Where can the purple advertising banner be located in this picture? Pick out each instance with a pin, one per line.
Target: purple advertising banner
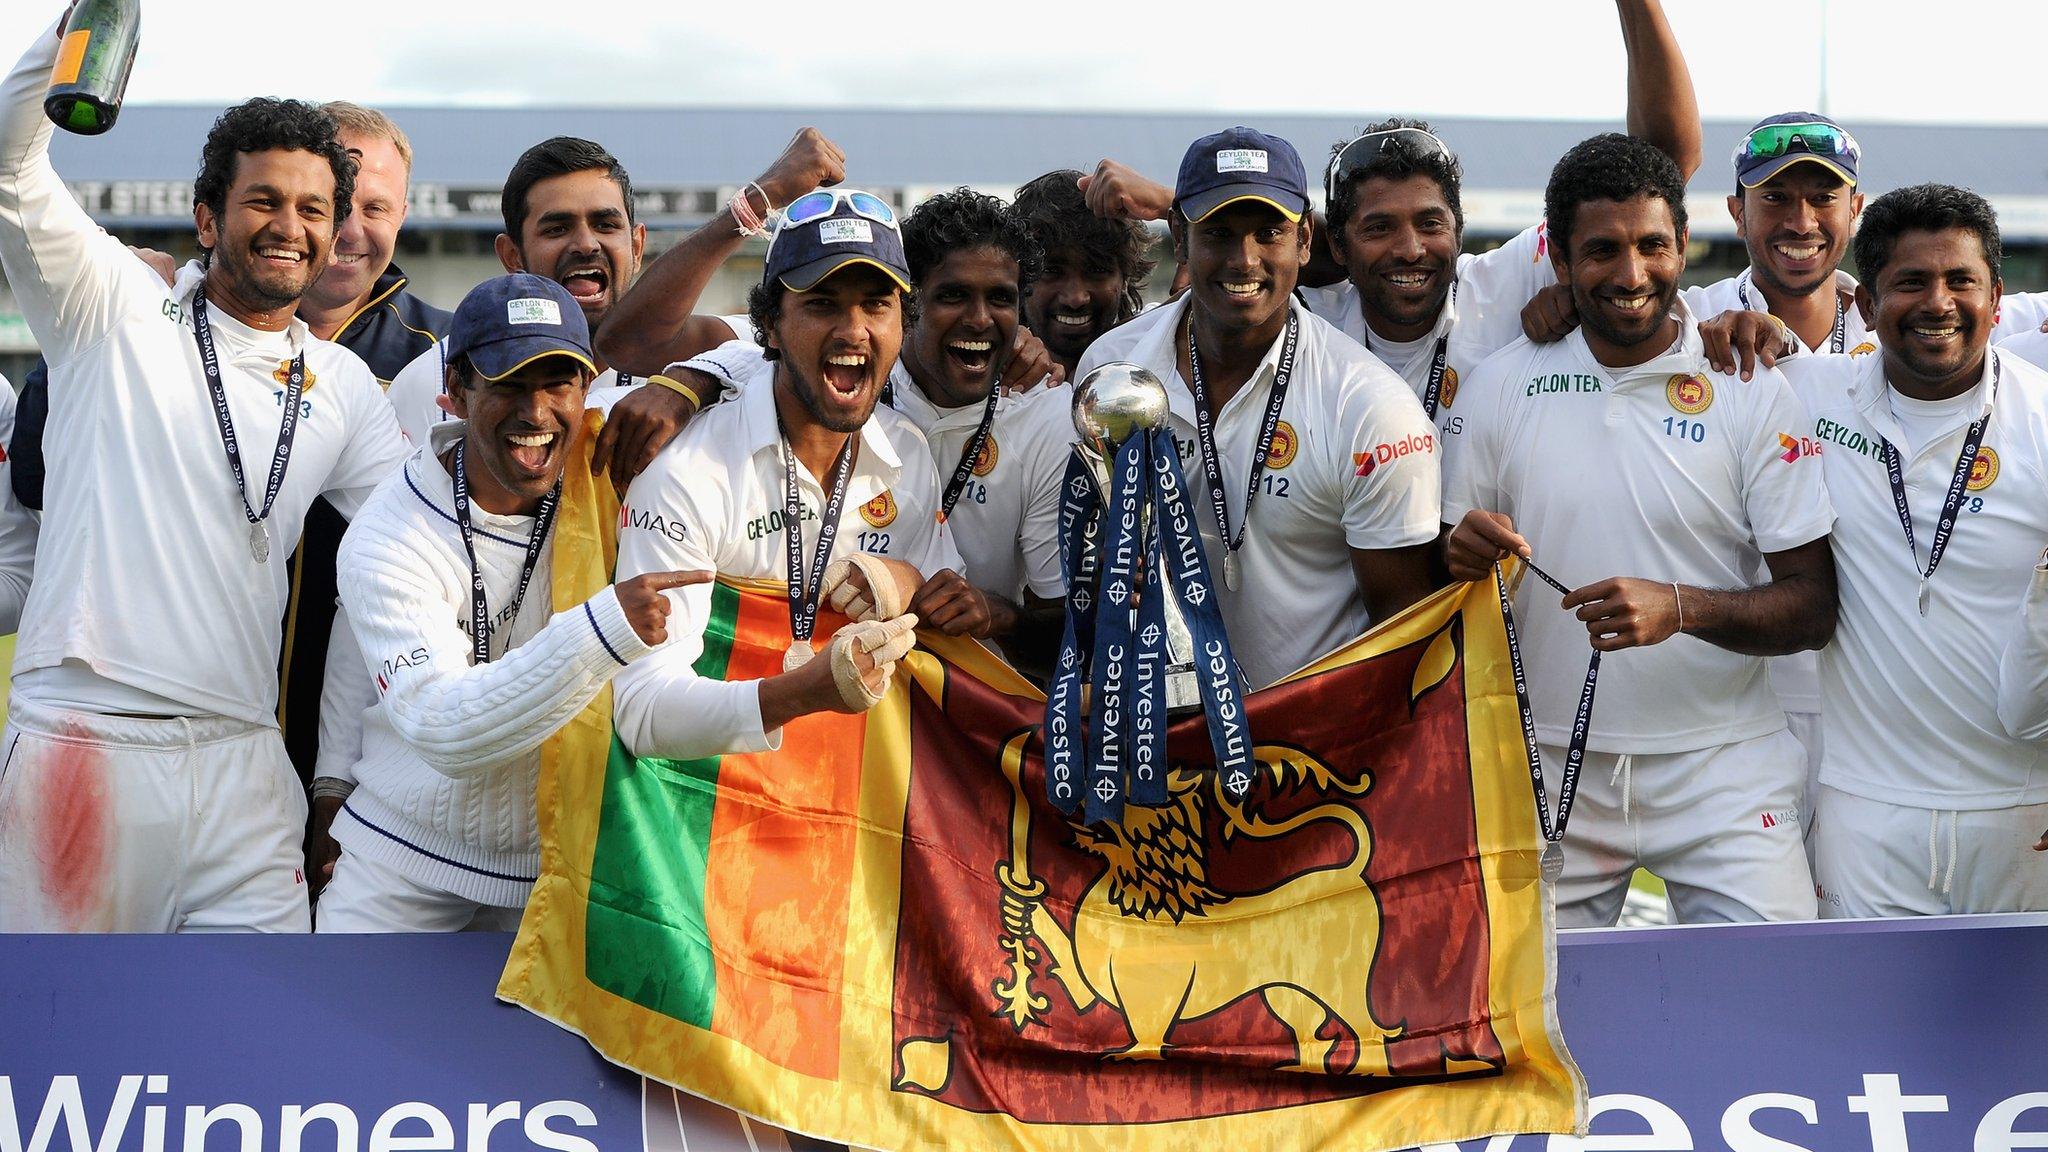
(1901, 1036)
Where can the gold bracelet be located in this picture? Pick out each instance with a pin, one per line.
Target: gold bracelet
(679, 388)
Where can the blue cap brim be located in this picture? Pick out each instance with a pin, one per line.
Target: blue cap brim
(805, 277)
(1206, 204)
(501, 358)
(1776, 164)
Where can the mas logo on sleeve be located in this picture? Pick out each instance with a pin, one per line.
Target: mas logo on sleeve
(1984, 470)
(1689, 393)
(881, 511)
(1286, 445)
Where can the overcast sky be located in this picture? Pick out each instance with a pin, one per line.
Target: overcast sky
(1890, 59)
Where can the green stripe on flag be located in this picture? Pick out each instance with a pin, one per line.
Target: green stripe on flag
(645, 937)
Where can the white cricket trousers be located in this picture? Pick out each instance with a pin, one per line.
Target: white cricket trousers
(1721, 827)
(116, 824)
(1874, 858)
(368, 895)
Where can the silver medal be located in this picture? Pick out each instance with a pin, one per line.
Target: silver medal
(259, 542)
(1923, 597)
(1553, 862)
(1230, 569)
(798, 654)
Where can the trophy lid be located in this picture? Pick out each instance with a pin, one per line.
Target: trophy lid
(1115, 401)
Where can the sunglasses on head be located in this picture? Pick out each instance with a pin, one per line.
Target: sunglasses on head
(1774, 140)
(1365, 149)
(825, 201)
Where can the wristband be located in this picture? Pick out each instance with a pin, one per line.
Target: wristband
(1680, 602)
(679, 388)
(744, 218)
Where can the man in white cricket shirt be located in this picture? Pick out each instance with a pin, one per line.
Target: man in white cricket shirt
(448, 577)
(190, 427)
(1616, 451)
(1395, 222)
(791, 482)
(1313, 466)
(1934, 776)
(1000, 455)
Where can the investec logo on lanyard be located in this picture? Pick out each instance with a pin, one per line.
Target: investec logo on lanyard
(1125, 648)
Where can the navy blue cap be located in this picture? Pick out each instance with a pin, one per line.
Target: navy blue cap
(1240, 164)
(804, 252)
(1829, 144)
(508, 322)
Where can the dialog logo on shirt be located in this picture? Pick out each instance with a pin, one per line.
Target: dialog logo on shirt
(1792, 448)
(1690, 394)
(1984, 470)
(985, 460)
(881, 511)
(1366, 462)
(1448, 390)
(1286, 445)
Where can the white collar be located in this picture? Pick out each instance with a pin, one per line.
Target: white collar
(764, 431)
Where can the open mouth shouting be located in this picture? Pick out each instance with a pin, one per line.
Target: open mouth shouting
(971, 358)
(589, 281)
(532, 453)
(846, 377)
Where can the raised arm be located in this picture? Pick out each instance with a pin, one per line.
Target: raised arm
(654, 324)
(1661, 106)
(72, 280)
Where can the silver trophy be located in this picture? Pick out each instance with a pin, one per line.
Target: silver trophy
(1111, 404)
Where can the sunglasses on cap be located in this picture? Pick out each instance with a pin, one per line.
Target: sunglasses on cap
(1365, 149)
(825, 201)
(1774, 140)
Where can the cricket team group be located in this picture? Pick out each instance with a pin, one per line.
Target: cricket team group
(1801, 515)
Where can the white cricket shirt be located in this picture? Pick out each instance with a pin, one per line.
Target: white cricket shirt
(145, 572)
(1006, 522)
(1664, 471)
(1481, 316)
(1910, 702)
(451, 750)
(714, 499)
(18, 526)
(1353, 465)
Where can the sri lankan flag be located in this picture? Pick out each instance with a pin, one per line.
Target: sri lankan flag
(883, 934)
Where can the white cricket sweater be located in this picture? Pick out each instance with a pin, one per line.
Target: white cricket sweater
(451, 751)
(144, 568)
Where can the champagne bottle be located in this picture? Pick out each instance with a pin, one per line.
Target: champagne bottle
(92, 68)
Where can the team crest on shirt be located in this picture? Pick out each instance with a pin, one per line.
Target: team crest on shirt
(985, 460)
(1286, 445)
(1448, 390)
(1983, 470)
(1690, 393)
(1863, 349)
(283, 376)
(881, 511)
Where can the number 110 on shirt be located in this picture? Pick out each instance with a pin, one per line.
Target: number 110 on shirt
(1685, 429)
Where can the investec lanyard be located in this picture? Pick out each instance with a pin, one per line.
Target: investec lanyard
(805, 587)
(479, 606)
(1212, 467)
(1837, 340)
(295, 387)
(1951, 504)
(1432, 392)
(964, 470)
(1575, 751)
(1123, 639)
